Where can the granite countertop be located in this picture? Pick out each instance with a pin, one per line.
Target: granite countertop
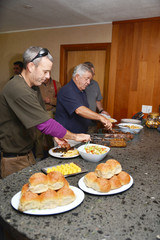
(131, 215)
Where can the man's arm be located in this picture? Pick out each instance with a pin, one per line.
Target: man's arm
(53, 128)
(100, 108)
(87, 113)
(78, 137)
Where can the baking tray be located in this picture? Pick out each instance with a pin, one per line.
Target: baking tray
(83, 170)
(106, 141)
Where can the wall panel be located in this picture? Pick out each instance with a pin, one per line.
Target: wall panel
(134, 78)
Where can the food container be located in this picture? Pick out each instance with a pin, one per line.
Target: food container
(130, 127)
(92, 157)
(153, 120)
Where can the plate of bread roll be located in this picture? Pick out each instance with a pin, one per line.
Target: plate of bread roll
(107, 179)
(46, 195)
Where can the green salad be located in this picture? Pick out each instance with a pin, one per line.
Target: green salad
(95, 149)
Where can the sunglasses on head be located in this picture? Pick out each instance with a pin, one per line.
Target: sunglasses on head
(42, 53)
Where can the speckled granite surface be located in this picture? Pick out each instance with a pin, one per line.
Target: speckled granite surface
(131, 215)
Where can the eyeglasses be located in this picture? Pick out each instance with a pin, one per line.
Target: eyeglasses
(42, 53)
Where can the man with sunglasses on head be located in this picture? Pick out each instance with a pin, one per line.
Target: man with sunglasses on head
(22, 110)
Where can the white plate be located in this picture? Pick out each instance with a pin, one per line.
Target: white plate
(82, 185)
(59, 155)
(125, 127)
(79, 199)
(109, 117)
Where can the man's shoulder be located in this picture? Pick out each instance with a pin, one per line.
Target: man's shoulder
(67, 87)
(94, 82)
(17, 86)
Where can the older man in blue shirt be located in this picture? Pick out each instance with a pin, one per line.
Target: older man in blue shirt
(72, 107)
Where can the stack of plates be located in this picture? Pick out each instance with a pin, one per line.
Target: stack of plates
(130, 120)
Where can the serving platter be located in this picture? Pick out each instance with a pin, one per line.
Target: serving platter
(59, 154)
(109, 118)
(83, 170)
(86, 189)
(60, 209)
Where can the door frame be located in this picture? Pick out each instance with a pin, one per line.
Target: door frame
(64, 49)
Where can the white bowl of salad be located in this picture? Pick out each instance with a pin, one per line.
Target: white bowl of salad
(93, 152)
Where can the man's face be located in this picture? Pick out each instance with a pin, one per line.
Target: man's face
(16, 69)
(41, 72)
(83, 81)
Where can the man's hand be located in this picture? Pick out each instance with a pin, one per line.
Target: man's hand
(60, 141)
(80, 137)
(83, 137)
(107, 124)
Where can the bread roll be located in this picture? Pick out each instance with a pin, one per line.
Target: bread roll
(28, 201)
(114, 182)
(108, 169)
(98, 184)
(38, 183)
(102, 185)
(25, 188)
(48, 199)
(66, 183)
(124, 178)
(56, 180)
(65, 196)
(116, 166)
(104, 170)
(89, 179)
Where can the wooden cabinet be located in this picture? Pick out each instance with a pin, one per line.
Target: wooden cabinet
(134, 78)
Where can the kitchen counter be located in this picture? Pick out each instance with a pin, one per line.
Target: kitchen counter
(131, 215)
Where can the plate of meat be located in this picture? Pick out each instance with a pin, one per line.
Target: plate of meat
(61, 152)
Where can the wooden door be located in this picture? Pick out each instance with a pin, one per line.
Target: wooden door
(98, 54)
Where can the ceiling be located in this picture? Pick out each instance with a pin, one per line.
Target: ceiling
(22, 15)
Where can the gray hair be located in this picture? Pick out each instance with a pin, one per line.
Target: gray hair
(30, 53)
(89, 64)
(81, 69)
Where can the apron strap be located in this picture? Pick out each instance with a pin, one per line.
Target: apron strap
(55, 87)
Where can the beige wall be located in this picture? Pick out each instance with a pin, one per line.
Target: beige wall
(12, 45)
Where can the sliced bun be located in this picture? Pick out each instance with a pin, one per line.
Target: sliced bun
(56, 180)
(38, 183)
(48, 199)
(124, 177)
(28, 201)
